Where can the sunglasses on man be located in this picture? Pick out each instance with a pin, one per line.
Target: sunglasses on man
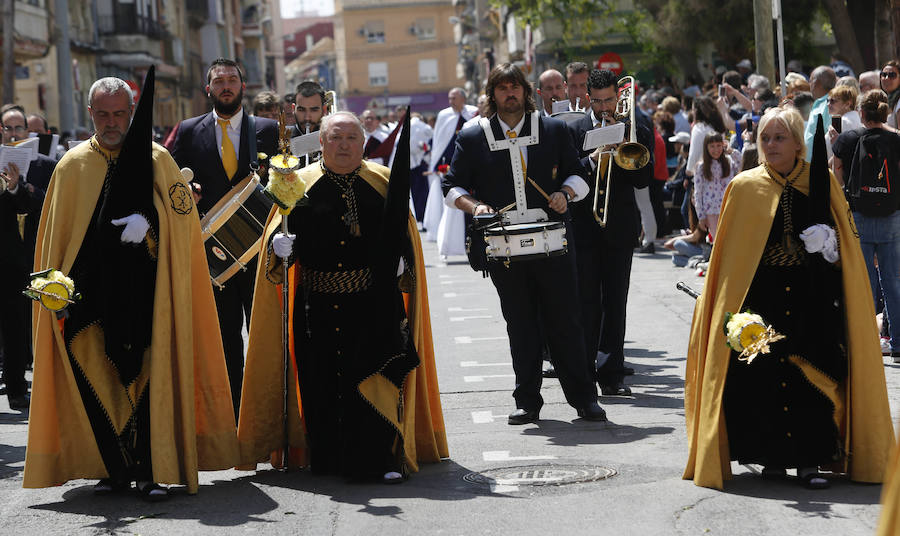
(889, 74)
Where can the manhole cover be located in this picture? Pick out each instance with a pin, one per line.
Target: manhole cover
(540, 475)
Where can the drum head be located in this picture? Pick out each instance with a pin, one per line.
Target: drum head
(568, 117)
(523, 228)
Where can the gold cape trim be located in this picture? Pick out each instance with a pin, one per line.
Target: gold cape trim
(751, 200)
(260, 431)
(192, 420)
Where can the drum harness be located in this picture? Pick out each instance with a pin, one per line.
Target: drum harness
(522, 213)
(254, 168)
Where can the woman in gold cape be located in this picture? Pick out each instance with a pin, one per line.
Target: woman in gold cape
(415, 411)
(191, 422)
(861, 413)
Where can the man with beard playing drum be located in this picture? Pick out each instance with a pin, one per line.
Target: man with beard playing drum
(487, 173)
(216, 146)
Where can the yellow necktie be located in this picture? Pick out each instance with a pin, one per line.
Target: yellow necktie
(512, 134)
(229, 158)
(21, 218)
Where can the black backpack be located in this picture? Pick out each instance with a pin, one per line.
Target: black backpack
(874, 186)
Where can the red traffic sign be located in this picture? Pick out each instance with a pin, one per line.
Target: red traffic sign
(611, 62)
(135, 89)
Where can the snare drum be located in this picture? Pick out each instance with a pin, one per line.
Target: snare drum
(232, 230)
(526, 241)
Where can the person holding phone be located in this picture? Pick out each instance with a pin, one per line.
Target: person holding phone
(844, 117)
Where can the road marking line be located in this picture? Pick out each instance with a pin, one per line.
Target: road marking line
(455, 281)
(485, 417)
(471, 379)
(458, 294)
(503, 456)
(470, 340)
(470, 317)
(465, 309)
(477, 364)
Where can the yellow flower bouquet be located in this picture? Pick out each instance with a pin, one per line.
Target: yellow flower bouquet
(285, 186)
(748, 334)
(52, 289)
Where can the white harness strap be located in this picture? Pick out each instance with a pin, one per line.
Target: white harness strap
(522, 214)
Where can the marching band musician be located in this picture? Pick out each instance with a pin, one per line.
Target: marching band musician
(480, 181)
(309, 107)
(551, 88)
(603, 254)
(129, 382)
(576, 85)
(216, 146)
(364, 364)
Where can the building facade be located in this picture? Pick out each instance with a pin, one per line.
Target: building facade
(396, 52)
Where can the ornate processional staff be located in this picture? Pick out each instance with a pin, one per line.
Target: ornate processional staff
(285, 188)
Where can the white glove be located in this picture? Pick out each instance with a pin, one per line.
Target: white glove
(830, 250)
(400, 267)
(815, 236)
(821, 238)
(283, 244)
(136, 227)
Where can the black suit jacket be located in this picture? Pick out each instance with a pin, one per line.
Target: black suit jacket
(195, 147)
(15, 263)
(487, 175)
(39, 173)
(623, 222)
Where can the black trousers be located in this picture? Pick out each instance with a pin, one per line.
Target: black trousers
(547, 285)
(233, 305)
(12, 328)
(659, 210)
(604, 274)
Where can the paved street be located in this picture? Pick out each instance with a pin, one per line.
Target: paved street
(633, 463)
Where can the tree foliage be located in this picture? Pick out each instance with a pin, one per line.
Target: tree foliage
(669, 33)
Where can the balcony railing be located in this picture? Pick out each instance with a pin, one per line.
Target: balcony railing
(111, 25)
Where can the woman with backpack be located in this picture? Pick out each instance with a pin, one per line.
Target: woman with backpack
(866, 161)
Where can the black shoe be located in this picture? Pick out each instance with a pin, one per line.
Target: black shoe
(628, 371)
(524, 416)
(649, 248)
(19, 402)
(615, 389)
(549, 372)
(107, 486)
(151, 491)
(593, 412)
(813, 479)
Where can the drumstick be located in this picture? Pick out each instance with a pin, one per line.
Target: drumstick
(506, 208)
(539, 189)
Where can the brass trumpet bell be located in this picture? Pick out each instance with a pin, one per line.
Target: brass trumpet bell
(632, 156)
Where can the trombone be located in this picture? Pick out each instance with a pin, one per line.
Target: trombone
(330, 102)
(630, 155)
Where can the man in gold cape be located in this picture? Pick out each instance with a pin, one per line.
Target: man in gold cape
(862, 413)
(182, 374)
(408, 401)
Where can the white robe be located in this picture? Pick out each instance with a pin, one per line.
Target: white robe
(451, 238)
(444, 128)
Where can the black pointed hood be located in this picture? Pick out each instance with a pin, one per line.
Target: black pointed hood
(131, 182)
(819, 178)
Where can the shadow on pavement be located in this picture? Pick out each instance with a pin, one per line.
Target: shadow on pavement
(809, 502)
(223, 504)
(566, 434)
(10, 455)
(436, 482)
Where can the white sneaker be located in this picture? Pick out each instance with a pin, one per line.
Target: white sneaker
(885, 346)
